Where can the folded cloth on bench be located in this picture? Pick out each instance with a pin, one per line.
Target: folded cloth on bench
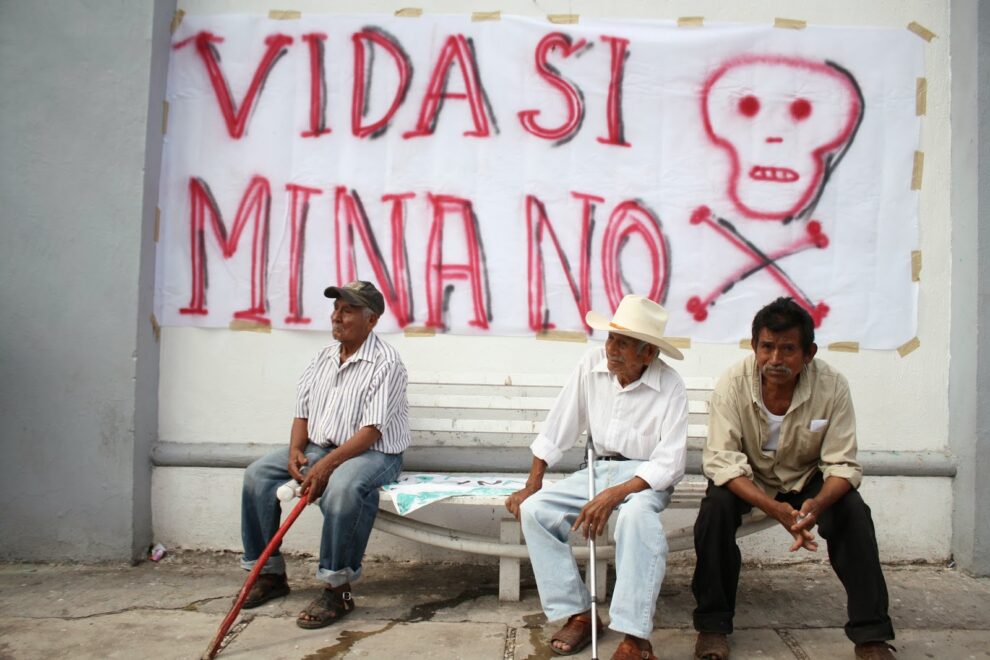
(414, 491)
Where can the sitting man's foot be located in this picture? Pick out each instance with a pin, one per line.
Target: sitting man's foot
(634, 648)
(711, 646)
(875, 651)
(268, 587)
(575, 635)
(332, 605)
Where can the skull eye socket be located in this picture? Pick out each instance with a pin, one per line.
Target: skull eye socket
(749, 105)
(800, 109)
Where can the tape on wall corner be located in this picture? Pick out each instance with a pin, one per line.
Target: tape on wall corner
(284, 14)
(156, 329)
(918, 172)
(479, 16)
(909, 346)
(844, 346)
(420, 331)
(679, 342)
(746, 344)
(691, 21)
(789, 23)
(244, 325)
(409, 12)
(563, 19)
(921, 97)
(916, 265)
(921, 31)
(176, 20)
(563, 335)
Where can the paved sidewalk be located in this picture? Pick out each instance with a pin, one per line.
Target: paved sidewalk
(412, 610)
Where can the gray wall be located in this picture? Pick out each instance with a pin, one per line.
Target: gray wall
(78, 363)
(969, 385)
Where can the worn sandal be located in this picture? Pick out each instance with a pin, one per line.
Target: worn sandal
(576, 633)
(268, 587)
(329, 607)
(711, 646)
(628, 650)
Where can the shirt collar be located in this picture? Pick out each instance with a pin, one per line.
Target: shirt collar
(801, 393)
(366, 352)
(650, 378)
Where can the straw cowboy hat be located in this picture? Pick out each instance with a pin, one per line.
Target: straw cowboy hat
(639, 318)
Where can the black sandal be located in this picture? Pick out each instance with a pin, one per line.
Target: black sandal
(329, 607)
(268, 587)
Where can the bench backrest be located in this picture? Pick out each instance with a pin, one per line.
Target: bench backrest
(491, 420)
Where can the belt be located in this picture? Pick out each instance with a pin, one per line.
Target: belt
(613, 457)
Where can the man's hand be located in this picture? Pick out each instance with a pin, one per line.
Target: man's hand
(799, 528)
(297, 460)
(514, 501)
(593, 518)
(317, 478)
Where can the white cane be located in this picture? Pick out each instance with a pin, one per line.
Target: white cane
(592, 587)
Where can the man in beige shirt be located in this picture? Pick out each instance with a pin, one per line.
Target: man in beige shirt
(782, 438)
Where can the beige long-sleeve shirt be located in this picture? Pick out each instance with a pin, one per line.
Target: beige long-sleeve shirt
(818, 431)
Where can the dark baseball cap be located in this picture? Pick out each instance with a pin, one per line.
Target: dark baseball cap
(360, 293)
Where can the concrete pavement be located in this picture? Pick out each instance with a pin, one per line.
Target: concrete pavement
(413, 610)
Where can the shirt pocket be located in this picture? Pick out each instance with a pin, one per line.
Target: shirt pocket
(807, 446)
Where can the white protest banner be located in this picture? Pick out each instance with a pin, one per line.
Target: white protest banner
(503, 177)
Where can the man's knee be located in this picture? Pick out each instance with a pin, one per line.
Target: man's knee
(340, 498)
(849, 513)
(719, 501)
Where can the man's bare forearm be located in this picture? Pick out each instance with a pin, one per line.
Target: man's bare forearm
(299, 435)
(536, 472)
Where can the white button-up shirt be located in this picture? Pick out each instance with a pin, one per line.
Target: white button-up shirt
(647, 420)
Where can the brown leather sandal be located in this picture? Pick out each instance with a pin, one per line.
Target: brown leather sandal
(268, 587)
(629, 650)
(576, 633)
(711, 646)
(329, 607)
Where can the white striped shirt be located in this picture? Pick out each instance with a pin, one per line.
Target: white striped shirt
(368, 390)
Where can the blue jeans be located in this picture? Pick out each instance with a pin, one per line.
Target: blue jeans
(349, 505)
(640, 548)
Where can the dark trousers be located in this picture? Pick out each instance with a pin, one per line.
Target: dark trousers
(846, 526)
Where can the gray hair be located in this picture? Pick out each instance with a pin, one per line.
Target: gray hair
(641, 346)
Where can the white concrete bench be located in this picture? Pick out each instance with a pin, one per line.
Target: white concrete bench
(484, 424)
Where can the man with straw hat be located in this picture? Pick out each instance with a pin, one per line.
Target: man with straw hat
(635, 408)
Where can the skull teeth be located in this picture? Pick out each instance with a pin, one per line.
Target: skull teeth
(776, 174)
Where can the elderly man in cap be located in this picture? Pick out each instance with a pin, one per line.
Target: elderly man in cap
(351, 426)
(635, 408)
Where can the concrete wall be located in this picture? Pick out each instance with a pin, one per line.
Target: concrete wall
(217, 385)
(78, 367)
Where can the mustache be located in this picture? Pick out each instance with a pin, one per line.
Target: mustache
(781, 370)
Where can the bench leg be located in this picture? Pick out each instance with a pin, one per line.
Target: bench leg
(510, 531)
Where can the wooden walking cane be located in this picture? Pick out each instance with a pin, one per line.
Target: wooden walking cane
(592, 587)
(273, 545)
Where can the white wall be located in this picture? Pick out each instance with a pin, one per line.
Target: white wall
(218, 385)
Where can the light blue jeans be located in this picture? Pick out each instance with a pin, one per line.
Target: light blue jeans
(349, 505)
(640, 548)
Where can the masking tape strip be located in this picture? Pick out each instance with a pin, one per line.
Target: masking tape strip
(921, 31)
(158, 222)
(909, 346)
(176, 20)
(563, 19)
(409, 12)
(155, 327)
(563, 335)
(691, 21)
(916, 265)
(921, 97)
(284, 14)
(746, 344)
(789, 23)
(844, 346)
(420, 331)
(919, 170)
(486, 16)
(244, 325)
(679, 342)
(164, 117)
